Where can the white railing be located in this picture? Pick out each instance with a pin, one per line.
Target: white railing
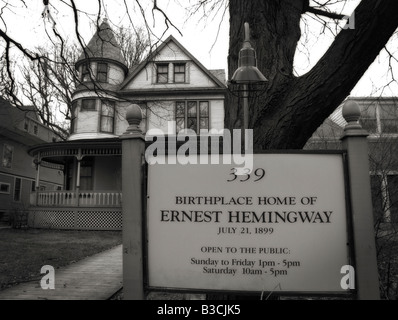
(73, 198)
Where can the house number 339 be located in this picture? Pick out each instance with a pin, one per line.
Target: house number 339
(258, 175)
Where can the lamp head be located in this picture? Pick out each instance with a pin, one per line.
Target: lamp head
(247, 72)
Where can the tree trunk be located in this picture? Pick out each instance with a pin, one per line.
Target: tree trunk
(291, 108)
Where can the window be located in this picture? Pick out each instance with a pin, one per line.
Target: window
(192, 115)
(33, 186)
(388, 118)
(102, 72)
(17, 189)
(380, 117)
(35, 129)
(107, 116)
(85, 72)
(4, 187)
(162, 73)
(8, 152)
(86, 174)
(73, 117)
(368, 118)
(88, 105)
(392, 186)
(179, 72)
(26, 125)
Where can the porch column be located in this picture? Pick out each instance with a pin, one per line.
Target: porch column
(37, 181)
(77, 189)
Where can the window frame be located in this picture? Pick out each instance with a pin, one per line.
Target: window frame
(102, 116)
(198, 115)
(8, 191)
(158, 73)
(102, 72)
(11, 150)
(83, 109)
(17, 196)
(184, 65)
(85, 72)
(73, 118)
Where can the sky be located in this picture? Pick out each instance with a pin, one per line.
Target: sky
(206, 40)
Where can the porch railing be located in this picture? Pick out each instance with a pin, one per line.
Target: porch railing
(73, 198)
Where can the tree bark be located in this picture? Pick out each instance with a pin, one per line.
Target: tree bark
(291, 108)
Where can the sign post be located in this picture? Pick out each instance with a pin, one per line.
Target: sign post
(355, 142)
(133, 148)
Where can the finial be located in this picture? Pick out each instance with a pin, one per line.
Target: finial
(134, 118)
(351, 114)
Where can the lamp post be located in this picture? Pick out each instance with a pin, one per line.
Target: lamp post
(247, 73)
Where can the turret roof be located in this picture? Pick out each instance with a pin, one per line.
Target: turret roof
(103, 45)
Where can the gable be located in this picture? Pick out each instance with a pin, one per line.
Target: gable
(169, 55)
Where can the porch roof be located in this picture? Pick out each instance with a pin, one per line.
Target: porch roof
(59, 152)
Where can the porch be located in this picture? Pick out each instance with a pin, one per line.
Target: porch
(91, 198)
(84, 210)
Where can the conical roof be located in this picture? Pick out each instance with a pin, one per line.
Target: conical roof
(103, 45)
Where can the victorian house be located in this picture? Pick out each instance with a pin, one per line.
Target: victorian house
(174, 90)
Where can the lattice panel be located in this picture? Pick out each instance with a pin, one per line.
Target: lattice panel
(64, 219)
(106, 220)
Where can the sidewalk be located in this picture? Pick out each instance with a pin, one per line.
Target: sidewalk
(97, 277)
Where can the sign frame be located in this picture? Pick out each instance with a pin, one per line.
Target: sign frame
(349, 232)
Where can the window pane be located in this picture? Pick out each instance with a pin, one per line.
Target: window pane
(7, 156)
(108, 108)
(88, 104)
(107, 124)
(180, 109)
(192, 124)
(191, 108)
(163, 68)
(369, 124)
(179, 77)
(17, 189)
(179, 68)
(368, 111)
(204, 108)
(204, 123)
(102, 77)
(389, 125)
(180, 124)
(162, 78)
(388, 111)
(102, 67)
(377, 196)
(392, 182)
(85, 72)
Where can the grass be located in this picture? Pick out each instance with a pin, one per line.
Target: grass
(24, 252)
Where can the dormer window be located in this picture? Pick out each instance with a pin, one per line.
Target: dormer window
(179, 73)
(102, 72)
(162, 73)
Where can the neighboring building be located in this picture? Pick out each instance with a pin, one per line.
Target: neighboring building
(20, 129)
(379, 116)
(175, 91)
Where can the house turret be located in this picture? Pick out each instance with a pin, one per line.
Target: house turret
(102, 69)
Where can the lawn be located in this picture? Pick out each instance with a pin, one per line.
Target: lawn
(24, 252)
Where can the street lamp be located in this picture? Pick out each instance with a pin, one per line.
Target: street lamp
(247, 73)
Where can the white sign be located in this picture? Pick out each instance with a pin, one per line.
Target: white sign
(281, 228)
